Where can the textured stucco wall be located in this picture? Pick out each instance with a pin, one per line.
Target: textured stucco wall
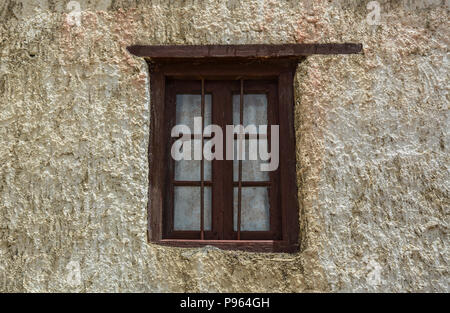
(372, 148)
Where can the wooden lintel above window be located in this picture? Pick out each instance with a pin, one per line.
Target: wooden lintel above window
(244, 51)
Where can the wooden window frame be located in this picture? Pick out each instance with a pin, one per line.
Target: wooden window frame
(247, 62)
(162, 74)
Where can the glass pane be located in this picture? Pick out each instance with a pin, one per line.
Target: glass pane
(187, 170)
(207, 170)
(187, 208)
(189, 106)
(255, 109)
(255, 209)
(207, 196)
(251, 170)
(190, 169)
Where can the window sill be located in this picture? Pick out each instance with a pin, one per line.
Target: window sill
(242, 245)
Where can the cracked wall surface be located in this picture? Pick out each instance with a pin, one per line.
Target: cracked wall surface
(372, 147)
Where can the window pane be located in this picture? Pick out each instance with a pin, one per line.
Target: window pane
(255, 109)
(255, 209)
(187, 107)
(190, 106)
(187, 170)
(187, 208)
(251, 170)
(190, 169)
(207, 169)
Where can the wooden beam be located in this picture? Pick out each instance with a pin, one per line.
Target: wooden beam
(288, 180)
(243, 51)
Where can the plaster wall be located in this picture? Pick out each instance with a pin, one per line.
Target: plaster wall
(372, 147)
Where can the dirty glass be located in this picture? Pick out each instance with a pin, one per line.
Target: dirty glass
(189, 170)
(251, 170)
(255, 209)
(254, 111)
(187, 208)
(190, 106)
(187, 107)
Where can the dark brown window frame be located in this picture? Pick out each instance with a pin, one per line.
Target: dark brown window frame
(221, 183)
(240, 63)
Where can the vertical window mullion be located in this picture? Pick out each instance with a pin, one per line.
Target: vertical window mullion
(273, 119)
(219, 171)
(241, 143)
(202, 201)
(225, 167)
(168, 223)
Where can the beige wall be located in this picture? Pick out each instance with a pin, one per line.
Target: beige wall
(372, 148)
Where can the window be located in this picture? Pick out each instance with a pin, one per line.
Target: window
(222, 195)
(222, 199)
